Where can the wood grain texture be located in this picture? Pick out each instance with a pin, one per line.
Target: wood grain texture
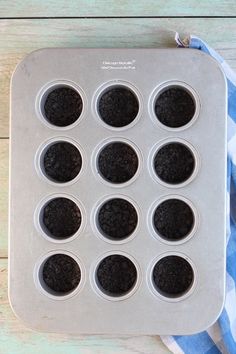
(16, 339)
(19, 37)
(88, 8)
(3, 197)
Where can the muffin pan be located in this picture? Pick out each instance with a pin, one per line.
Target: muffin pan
(117, 191)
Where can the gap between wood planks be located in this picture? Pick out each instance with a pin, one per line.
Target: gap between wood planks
(109, 17)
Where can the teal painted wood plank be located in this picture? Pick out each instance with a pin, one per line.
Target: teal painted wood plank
(85, 8)
(16, 339)
(21, 36)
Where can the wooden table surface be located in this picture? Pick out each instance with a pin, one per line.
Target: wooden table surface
(27, 25)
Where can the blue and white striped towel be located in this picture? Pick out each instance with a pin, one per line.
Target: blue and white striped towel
(221, 337)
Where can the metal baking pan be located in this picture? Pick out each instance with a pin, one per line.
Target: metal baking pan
(117, 191)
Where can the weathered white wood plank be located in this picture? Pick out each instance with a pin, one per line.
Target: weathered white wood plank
(3, 198)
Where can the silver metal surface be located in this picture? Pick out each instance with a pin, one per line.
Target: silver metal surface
(143, 310)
